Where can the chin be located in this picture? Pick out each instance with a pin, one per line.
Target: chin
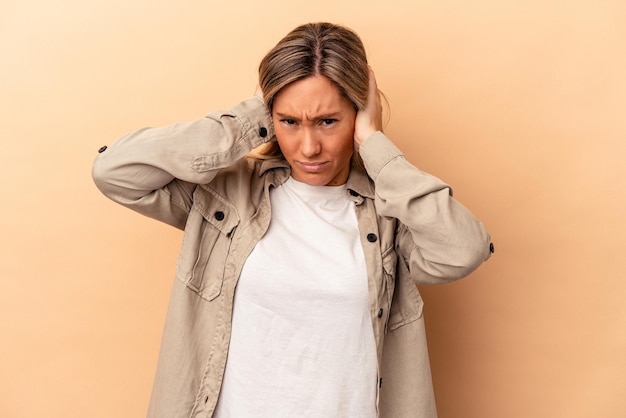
(312, 179)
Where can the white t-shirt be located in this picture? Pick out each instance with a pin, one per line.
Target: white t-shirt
(302, 343)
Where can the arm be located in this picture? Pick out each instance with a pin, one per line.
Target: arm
(154, 170)
(436, 235)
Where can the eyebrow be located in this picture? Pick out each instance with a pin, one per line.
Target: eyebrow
(332, 115)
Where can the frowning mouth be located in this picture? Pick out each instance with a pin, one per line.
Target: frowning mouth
(312, 167)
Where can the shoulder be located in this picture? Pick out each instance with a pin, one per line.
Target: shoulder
(246, 178)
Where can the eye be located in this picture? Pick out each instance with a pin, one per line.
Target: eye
(328, 122)
(288, 121)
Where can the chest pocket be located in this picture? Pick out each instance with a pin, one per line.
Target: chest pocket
(390, 259)
(206, 243)
(407, 304)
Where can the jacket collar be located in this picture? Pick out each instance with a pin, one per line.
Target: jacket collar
(271, 164)
(358, 181)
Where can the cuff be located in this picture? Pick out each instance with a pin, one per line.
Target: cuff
(255, 116)
(377, 151)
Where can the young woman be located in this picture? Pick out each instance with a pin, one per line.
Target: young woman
(295, 291)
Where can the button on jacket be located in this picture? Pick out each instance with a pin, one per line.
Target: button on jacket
(196, 176)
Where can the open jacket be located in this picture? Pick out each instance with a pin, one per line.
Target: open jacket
(196, 176)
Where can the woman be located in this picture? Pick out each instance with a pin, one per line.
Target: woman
(295, 291)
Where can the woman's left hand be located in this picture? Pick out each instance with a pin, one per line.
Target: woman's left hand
(369, 119)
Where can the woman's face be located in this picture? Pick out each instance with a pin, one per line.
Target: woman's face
(314, 127)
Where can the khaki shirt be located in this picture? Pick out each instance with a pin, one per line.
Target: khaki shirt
(195, 176)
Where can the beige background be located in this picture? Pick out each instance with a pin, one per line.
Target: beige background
(520, 105)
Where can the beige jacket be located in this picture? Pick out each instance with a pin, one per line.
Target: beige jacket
(195, 176)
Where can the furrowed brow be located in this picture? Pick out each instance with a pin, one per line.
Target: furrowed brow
(332, 115)
(285, 116)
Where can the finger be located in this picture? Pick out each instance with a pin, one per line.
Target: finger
(374, 104)
(373, 87)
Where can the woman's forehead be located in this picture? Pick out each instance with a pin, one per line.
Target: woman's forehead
(312, 97)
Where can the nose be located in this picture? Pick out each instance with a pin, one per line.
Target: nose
(310, 145)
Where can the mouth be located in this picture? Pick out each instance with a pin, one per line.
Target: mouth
(312, 167)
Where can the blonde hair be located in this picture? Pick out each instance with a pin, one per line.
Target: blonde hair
(333, 51)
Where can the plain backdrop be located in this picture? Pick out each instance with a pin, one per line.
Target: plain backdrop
(519, 105)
